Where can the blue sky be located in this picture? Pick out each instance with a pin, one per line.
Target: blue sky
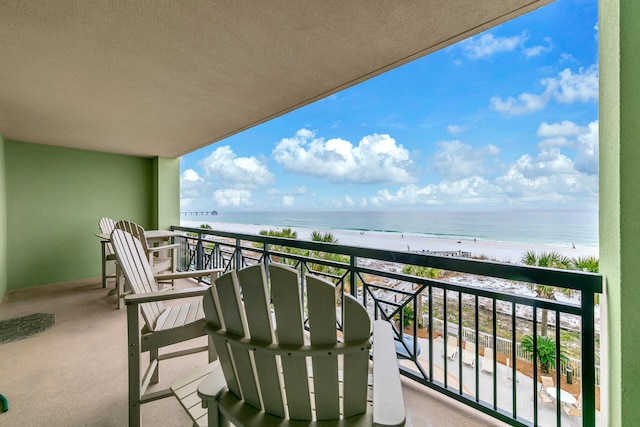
(505, 120)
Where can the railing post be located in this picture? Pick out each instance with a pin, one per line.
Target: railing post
(353, 286)
(588, 359)
(238, 255)
(199, 253)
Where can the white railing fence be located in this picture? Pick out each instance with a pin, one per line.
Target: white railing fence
(503, 345)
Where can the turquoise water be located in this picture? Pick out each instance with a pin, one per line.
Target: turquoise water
(563, 227)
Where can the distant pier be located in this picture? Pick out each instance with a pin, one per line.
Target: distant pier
(200, 213)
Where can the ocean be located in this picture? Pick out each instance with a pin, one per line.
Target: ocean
(557, 227)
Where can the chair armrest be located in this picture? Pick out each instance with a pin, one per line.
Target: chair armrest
(163, 248)
(388, 403)
(165, 295)
(214, 384)
(188, 274)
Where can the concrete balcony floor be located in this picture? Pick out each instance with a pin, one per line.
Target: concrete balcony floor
(75, 373)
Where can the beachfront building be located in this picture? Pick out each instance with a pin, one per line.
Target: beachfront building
(98, 101)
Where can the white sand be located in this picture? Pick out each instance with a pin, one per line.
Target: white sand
(499, 251)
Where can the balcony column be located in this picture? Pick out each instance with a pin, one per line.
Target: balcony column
(166, 193)
(619, 208)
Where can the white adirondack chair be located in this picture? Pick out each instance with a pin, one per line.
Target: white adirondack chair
(161, 258)
(109, 265)
(272, 372)
(162, 325)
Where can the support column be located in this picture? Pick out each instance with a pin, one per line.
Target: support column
(620, 209)
(166, 192)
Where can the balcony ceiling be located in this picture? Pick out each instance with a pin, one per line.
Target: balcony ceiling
(164, 78)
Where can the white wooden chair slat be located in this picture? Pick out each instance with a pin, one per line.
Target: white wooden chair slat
(233, 315)
(322, 329)
(357, 326)
(256, 302)
(258, 313)
(286, 297)
(182, 315)
(194, 309)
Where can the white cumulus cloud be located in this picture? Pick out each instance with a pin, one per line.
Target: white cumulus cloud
(487, 45)
(288, 201)
(455, 129)
(231, 171)
(562, 172)
(457, 160)
(566, 88)
(530, 52)
(376, 159)
(191, 175)
(232, 198)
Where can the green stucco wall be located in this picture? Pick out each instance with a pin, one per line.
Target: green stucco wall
(3, 224)
(620, 204)
(54, 199)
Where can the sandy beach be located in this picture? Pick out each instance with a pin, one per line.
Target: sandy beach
(499, 251)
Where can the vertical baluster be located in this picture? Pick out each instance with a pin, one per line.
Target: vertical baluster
(535, 365)
(430, 333)
(460, 341)
(514, 371)
(477, 337)
(495, 356)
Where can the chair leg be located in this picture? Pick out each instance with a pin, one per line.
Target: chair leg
(133, 328)
(153, 355)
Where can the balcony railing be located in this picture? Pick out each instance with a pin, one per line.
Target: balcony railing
(484, 318)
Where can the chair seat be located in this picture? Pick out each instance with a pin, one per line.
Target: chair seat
(241, 413)
(175, 316)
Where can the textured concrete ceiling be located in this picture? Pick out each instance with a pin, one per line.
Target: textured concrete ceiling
(166, 77)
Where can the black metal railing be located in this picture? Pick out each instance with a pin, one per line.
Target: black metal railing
(455, 332)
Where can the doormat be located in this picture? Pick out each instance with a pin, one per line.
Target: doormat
(23, 327)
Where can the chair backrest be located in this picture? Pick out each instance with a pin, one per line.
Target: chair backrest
(547, 381)
(106, 226)
(134, 263)
(488, 353)
(135, 230)
(469, 353)
(269, 322)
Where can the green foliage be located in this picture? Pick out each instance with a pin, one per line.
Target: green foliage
(286, 233)
(407, 316)
(428, 272)
(589, 264)
(546, 351)
(327, 237)
(203, 226)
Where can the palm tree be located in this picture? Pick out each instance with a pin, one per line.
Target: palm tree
(589, 264)
(420, 271)
(286, 233)
(550, 260)
(326, 237)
